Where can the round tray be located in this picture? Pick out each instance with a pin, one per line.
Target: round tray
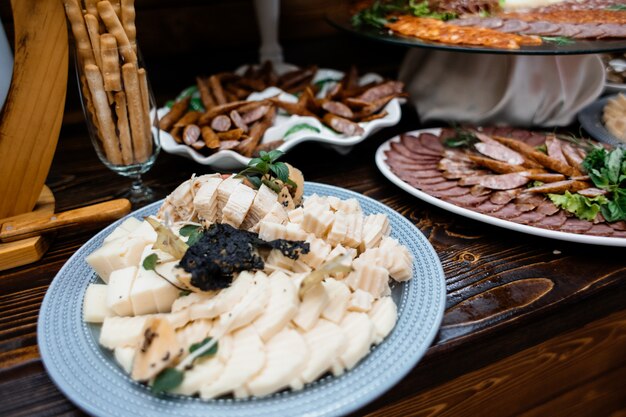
(341, 20)
(89, 376)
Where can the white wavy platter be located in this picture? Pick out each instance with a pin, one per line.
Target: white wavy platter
(228, 160)
(505, 224)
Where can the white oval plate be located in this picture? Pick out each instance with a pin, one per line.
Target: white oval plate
(228, 160)
(89, 376)
(531, 230)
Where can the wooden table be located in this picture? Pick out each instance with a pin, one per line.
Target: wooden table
(533, 326)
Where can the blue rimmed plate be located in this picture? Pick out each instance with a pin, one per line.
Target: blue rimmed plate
(89, 376)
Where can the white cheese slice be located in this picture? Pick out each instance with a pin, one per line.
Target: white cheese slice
(286, 356)
(236, 209)
(313, 303)
(246, 360)
(339, 297)
(281, 307)
(383, 314)
(358, 329)
(325, 341)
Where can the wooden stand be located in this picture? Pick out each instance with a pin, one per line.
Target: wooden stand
(28, 250)
(30, 121)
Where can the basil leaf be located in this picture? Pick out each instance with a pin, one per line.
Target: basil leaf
(302, 126)
(150, 262)
(264, 156)
(212, 351)
(281, 170)
(189, 91)
(196, 104)
(256, 181)
(319, 84)
(192, 232)
(614, 165)
(275, 154)
(167, 380)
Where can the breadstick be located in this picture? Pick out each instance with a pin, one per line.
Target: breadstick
(123, 128)
(135, 111)
(128, 20)
(107, 127)
(90, 6)
(114, 26)
(93, 28)
(110, 63)
(116, 7)
(83, 45)
(145, 101)
(89, 103)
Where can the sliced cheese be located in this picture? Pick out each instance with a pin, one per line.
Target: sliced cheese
(238, 205)
(205, 200)
(246, 360)
(281, 307)
(286, 356)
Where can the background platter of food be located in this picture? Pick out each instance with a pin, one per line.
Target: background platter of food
(282, 107)
(530, 182)
(615, 72)
(520, 27)
(605, 119)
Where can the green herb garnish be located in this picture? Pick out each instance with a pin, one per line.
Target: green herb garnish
(184, 293)
(558, 40)
(187, 92)
(195, 104)
(380, 12)
(462, 139)
(302, 126)
(191, 232)
(150, 262)
(167, 380)
(542, 148)
(266, 170)
(584, 208)
(210, 352)
(319, 84)
(607, 171)
(617, 7)
(422, 9)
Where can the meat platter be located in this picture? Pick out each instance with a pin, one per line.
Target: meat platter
(518, 27)
(420, 164)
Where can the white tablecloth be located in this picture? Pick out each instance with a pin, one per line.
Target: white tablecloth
(501, 89)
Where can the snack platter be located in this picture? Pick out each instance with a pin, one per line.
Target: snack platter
(343, 20)
(590, 118)
(278, 136)
(464, 210)
(89, 375)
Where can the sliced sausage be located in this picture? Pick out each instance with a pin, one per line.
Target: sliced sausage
(503, 181)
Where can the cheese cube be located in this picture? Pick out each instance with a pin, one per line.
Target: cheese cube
(118, 293)
(152, 293)
(117, 254)
(94, 304)
(123, 229)
(122, 331)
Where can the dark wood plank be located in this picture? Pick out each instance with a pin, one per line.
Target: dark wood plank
(573, 374)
